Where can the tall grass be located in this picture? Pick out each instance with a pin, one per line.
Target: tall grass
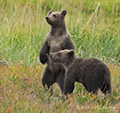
(24, 29)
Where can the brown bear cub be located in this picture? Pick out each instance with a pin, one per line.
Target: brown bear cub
(57, 39)
(91, 72)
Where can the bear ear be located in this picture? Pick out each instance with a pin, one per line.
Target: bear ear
(50, 12)
(64, 12)
(71, 53)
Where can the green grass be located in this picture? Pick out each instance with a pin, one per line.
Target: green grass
(23, 30)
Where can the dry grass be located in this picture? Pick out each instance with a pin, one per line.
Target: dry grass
(21, 91)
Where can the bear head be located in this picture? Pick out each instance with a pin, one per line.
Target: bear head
(56, 18)
(64, 57)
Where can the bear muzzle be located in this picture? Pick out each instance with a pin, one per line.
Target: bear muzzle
(51, 57)
(47, 18)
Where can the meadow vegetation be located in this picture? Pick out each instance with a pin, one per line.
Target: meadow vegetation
(23, 30)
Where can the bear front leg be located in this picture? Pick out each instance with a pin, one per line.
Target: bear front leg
(48, 78)
(60, 78)
(43, 53)
(68, 85)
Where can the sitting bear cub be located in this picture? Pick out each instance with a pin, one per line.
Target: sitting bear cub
(57, 39)
(91, 72)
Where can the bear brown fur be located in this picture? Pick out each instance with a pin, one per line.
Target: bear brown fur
(57, 39)
(91, 72)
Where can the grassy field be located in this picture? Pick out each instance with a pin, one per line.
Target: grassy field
(23, 30)
(21, 92)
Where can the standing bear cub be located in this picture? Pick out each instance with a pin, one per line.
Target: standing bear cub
(58, 39)
(91, 72)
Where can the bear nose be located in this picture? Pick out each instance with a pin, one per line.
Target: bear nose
(47, 18)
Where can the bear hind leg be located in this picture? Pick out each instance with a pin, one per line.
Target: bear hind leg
(48, 78)
(106, 88)
(91, 87)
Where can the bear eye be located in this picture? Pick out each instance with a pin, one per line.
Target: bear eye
(54, 15)
(58, 54)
